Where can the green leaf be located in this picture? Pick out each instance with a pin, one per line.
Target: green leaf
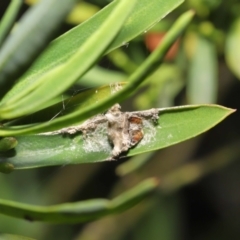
(146, 13)
(6, 167)
(148, 67)
(79, 211)
(4, 236)
(7, 143)
(81, 12)
(99, 76)
(33, 32)
(134, 163)
(8, 19)
(202, 82)
(71, 104)
(232, 49)
(62, 77)
(174, 125)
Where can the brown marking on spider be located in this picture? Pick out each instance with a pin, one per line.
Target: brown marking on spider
(125, 129)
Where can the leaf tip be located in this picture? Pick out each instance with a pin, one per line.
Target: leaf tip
(6, 167)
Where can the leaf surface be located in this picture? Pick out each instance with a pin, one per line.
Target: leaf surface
(174, 125)
(232, 48)
(79, 211)
(146, 14)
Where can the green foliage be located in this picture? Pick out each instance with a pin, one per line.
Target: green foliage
(36, 76)
(174, 125)
(79, 211)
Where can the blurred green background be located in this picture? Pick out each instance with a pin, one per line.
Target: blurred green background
(199, 195)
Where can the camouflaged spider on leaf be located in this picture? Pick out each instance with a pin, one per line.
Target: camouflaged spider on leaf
(123, 130)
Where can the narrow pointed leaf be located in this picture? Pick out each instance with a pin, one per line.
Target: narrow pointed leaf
(148, 67)
(63, 76)
(8, 19)
(71, 104)
(146, 13)
(79, 211)
(174, 125)
(32, 34)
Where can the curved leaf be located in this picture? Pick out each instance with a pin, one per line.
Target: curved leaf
(8, 19)
(174, 125)
(62, 77)
(71, 104)
(146, 13)
(148, 67)
(32, 34)
(79, 211)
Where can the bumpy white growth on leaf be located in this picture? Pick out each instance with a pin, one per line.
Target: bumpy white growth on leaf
(115, 131)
